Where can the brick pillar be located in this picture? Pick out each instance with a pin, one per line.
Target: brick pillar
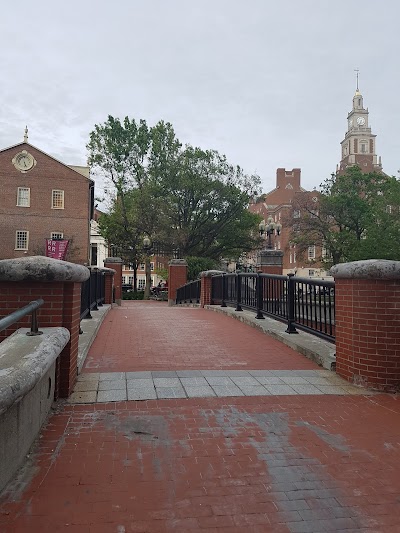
(270, 262)
(205, 290)
(367, 295)
(177, 277)
(68, 368)
(206, 286)
(115, 263)
(108, 284)
(58, 283)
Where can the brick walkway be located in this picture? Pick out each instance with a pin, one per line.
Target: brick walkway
(270, 463)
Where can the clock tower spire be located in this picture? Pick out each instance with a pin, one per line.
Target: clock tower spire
(358, 145)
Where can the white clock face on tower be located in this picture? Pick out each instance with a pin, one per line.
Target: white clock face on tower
(361, 121)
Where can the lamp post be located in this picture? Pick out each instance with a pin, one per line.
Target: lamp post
(147, 248)
(269, 229)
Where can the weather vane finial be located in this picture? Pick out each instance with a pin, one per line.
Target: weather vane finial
(357, 70)
(26, 134)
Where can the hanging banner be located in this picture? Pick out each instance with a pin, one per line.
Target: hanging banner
(57, 249)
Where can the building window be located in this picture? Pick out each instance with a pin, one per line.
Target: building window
(296, 213)
(23, 197)
(290, 258)
(123, 280)
(388, 209)
(57, 199)
(311, 252)
(141, 284)
(21, 240)
(130, 280)
(57, 235)
(93, 255)
(363, 148)
(151, 266)
(141, 266)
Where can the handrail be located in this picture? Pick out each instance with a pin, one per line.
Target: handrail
(14, 317)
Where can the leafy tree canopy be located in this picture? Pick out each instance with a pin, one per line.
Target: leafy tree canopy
(183, 197)
(357, 216)
(196, 265)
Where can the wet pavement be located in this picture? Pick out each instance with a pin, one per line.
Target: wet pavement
(295, 458)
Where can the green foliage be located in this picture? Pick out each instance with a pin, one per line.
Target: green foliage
(357, 217)
(133, 295)
(162, 273)
(183, 197)
(198, 264)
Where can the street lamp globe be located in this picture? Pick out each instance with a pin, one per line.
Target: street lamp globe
(146, 243)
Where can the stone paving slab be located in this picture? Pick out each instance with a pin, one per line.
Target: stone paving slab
(149, 385)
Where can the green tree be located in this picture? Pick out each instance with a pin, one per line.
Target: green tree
(183, 197)
(200, 264)
(356, 216)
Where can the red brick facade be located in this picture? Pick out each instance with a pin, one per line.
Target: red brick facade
(177, 277)
(61, 308)
(40, 219)
(205, 291)
(368, 331)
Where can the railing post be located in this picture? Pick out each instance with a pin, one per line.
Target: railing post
(94, 273)
(238, 292)
(223, 295)
(89, 292)
(290, 301)
(260, 297)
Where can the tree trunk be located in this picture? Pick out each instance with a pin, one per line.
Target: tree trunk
(146, 295)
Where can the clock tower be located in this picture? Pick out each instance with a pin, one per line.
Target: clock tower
(358, 145)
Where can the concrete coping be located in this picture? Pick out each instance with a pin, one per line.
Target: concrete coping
(177, 262)
(40, 268)
(112, 260)
(368, 269)
(104, 270)
(25, 360)
(211, 273)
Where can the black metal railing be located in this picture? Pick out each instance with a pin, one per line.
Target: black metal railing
(17, 315)
(302, 303)
(92, 293)
(189, 293)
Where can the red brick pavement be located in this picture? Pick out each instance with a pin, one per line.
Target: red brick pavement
(257, 464)
(153, 336)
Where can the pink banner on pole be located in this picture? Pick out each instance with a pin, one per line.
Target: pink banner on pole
(57, 249)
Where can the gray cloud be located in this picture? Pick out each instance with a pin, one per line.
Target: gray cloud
(267, 83)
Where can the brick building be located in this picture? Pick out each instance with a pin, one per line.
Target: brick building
(278, 205)
(42, 198)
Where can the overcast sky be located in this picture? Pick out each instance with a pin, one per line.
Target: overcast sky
(268, 83)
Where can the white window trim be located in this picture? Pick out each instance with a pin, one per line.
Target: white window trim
(311, 252)
(29, 196)
(52, 198)
(16, 239)
(59, 233)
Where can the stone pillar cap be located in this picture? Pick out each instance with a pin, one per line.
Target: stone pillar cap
(181, 262)
(113, 260)
(40, 268)
(211, 273)
(106, 270)
(368, 269)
